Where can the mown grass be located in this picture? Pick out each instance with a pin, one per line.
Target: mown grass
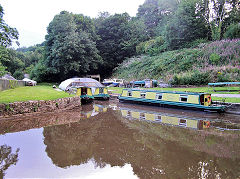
(232, 90)
(27, 93)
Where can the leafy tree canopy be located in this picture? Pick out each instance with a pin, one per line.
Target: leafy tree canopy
(70, 49)
(119, 34)
(7, 33)
(155, 13)
(188, 25)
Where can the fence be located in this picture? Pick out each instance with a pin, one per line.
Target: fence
(8, 84)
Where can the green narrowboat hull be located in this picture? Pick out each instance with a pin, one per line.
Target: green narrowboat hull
(101, 96)
(173, 104)
(86, 99)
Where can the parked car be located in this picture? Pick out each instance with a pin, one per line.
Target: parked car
(30, 82)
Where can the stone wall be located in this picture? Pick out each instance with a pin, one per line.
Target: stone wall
(8, 84)
(24, 122)
(38, 106)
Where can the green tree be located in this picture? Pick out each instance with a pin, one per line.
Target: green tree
(188, 25)
(119, 35)
(12, 62)
(7, 158)
(134, 34)
(224, 13)
(7, 33)
(70, 49)
(155, 14)
(2, 70)
(31, 55)
(233, 31)
(19, 75)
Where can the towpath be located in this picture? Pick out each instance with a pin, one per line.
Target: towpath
(227, 95)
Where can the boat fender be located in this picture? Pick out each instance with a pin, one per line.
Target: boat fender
(207, 124)
(209, 99)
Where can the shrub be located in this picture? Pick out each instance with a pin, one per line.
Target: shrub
(140, 48)
(18, 75)
(214, 58)
(195, 43)
(193, 78)
(232, 31)
(223, 77)
(2, 70)
(151, 47)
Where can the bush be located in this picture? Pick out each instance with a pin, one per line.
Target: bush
(232, 32)
(193, 78)
(222, 77)
(214, 58)
(39, 72)
(2, 70)
(151, 47)
(18, 75)
(195, 43)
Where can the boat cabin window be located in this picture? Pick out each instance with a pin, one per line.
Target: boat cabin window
(158, 118)
(158, 96)
(182, 122)
(183, 98)
(129, 93)
(142, 116)
(128, 114)
(143, 95)
(100, 90)
(83, 91)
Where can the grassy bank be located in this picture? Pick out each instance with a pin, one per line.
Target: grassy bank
(118, 90)
(39, 92)
(208, 62)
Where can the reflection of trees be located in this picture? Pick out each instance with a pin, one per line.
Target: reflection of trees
(7, 158)
(152, 150)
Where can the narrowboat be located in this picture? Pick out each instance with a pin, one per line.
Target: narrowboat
(100, 93)
(93, 112)
(165, 118)
(107, 82)
(85, 94)
(113, 82)
(200, 101)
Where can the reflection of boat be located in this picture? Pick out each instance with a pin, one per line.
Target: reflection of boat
(165, 118)
(94, 111)
(171, 98)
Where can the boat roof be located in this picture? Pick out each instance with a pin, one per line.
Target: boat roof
(80, 82)
(223, 83)
(158, 91)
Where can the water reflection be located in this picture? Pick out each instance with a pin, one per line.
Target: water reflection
(7, 158)
(152, 149)
(164, 118)
(154, 142)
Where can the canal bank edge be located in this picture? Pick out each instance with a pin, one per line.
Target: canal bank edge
(38, 106)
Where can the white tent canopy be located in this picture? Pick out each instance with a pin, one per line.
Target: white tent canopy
(77, 82)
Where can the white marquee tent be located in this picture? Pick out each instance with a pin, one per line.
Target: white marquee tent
(80, 82)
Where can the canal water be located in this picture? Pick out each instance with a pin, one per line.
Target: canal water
(117, 140)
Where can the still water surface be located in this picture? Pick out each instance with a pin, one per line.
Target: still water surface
(115, 140)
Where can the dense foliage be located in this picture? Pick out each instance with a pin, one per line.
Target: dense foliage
(209, 62)
(77, 45)
(7, 33)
